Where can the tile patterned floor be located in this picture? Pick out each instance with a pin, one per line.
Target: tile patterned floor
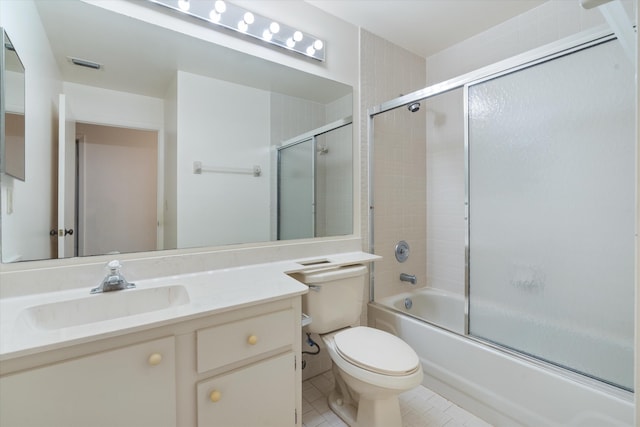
(420, 407)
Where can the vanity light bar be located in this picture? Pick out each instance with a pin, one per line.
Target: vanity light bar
(233, 17)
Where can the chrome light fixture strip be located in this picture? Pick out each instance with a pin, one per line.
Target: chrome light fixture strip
(235, 18)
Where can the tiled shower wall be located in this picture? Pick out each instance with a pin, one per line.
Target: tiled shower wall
(388, 71)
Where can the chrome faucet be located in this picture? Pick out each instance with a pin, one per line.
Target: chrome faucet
(114, 281)
(411, 278)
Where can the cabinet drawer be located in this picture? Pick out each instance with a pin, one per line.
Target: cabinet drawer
(235, 341)
(262, 394)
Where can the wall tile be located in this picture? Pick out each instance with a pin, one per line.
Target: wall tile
(399, 161)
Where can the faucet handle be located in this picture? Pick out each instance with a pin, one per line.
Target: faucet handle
(113, 281)
(114, 266)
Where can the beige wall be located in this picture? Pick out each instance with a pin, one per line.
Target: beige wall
(386, 72)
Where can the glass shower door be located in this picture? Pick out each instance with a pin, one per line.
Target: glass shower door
(296, 191)
(551, 223)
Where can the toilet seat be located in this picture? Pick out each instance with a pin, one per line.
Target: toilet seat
(376, 351)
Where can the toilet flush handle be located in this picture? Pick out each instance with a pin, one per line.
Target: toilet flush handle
(316, 288)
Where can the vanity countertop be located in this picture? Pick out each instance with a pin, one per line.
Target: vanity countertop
(209, 292)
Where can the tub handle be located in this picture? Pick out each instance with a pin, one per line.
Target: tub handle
(411, 278)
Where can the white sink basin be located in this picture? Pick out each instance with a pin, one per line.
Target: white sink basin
(105, 306)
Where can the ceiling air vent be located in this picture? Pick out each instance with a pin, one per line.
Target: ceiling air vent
(85, 63)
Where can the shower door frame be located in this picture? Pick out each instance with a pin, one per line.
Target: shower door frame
(299, 141)
(566, 46)
(312, 136)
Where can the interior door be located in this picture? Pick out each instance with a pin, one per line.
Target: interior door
(66, 179)
(117, 212)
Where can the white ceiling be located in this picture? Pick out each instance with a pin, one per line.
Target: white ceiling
(146, 63)
(142, 58)
(425, 26)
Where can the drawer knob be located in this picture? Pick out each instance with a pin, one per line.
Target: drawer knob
(155, 359)
(215, 396)
(253, 339)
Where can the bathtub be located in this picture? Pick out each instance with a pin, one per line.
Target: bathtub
(438, 307)
(503, 389)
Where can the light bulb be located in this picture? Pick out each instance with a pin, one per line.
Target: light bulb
(220, 6)
(266, 34)
(297, 36)
(317, 45)
(311, 51)
(184, 5)
(242, 26)
(249, 18)
(214, 16)
(274, 27)
(290, 43)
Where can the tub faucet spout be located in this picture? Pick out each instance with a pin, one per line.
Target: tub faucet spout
(411, 278)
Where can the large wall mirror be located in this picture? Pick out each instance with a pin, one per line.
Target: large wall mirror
(165, 141)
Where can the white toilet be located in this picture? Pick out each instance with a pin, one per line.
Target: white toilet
(371, 367)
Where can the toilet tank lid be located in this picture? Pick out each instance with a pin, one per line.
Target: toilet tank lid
(377, 351)
(331, 274)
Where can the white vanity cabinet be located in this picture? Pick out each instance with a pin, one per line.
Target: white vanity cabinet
(237, 367)
(262, 393)
(128, 386)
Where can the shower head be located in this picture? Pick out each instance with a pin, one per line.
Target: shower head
(413, 107)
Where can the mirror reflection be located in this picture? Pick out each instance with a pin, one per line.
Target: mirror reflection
(13, 109)
(159, 136)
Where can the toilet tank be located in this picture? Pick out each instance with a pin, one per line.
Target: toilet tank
(335, 296)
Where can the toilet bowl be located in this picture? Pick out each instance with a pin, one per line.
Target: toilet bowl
(371, 368)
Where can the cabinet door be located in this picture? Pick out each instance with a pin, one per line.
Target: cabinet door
(129, 387)
(262, 394)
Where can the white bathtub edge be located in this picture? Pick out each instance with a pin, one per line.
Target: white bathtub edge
(464, 381)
